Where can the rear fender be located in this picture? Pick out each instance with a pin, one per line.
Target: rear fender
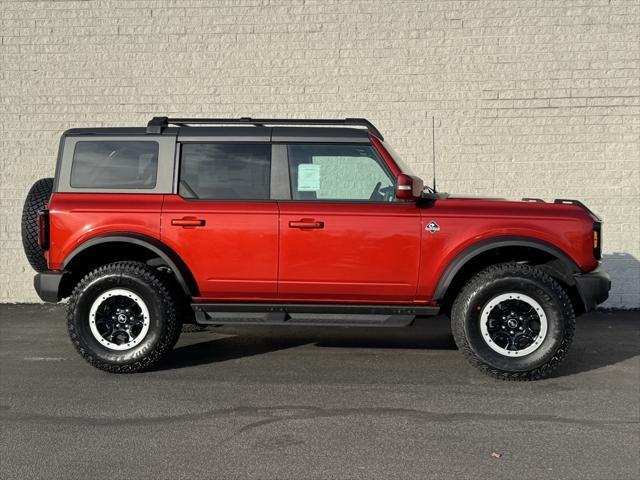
(169, 257)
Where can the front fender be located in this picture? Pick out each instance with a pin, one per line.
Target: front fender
(472, 251)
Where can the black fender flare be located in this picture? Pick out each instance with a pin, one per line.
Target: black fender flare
(468, 254)
(172, 259)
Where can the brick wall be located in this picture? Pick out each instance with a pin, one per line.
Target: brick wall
(532, 98)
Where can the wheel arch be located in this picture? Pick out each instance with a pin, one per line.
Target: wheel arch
(486, 252)
(137, 247)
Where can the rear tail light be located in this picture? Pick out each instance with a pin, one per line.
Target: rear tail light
(597, 240)
(43, 229)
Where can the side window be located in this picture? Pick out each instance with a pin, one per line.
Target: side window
(225, 171)
(116, 164)
(339, 172)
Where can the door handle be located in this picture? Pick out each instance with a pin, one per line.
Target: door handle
(306, 223)
(188, 222)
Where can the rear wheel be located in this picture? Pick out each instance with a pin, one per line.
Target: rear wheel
(122, 317)
(513, 322)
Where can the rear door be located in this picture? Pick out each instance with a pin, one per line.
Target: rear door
(222, 221)
(343, 235)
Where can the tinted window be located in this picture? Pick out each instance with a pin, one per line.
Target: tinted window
(103, 164)
(225, 171)
(339, 172)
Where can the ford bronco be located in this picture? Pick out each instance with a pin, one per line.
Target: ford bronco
(296, 222)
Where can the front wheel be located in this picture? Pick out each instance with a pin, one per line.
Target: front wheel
(513, 322)
(122, 317)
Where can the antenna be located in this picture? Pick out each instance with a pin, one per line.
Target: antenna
(433, 149)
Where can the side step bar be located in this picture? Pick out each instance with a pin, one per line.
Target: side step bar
(309, 314)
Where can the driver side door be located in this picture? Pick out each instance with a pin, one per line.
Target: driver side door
(343, 235)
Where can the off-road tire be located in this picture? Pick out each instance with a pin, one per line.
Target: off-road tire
(533, 282)
(36, 200)
(159, 297)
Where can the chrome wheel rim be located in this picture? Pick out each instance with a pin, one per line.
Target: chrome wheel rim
(513, 324)
(119, 319)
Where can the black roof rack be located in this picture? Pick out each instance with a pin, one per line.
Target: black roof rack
(158, 124)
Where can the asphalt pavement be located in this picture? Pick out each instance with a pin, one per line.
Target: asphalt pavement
(310, 403)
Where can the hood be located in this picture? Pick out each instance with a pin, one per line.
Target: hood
(558, 203)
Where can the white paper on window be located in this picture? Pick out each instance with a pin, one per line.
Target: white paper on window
(308, 177)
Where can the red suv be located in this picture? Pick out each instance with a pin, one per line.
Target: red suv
(296, 222)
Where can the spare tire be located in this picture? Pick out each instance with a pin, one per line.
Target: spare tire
(37, 199)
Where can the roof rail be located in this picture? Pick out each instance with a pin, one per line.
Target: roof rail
(158, 124)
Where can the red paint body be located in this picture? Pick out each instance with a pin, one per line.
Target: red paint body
(364, 252)
(234, 255)
(77, 217)
(464, 222)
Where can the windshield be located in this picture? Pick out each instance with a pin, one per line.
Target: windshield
(403, 166)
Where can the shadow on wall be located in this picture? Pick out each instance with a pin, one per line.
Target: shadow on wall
(624, 270)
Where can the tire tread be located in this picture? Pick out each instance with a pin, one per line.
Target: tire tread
(37, 198)
(151, 277)
(460, 305)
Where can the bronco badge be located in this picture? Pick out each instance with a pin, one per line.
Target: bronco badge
(433, 227)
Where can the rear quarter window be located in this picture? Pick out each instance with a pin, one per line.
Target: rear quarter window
(115, 164)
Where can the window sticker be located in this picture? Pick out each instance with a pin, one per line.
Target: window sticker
(308, 177)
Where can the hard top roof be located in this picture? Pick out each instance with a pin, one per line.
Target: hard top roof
(246, 129)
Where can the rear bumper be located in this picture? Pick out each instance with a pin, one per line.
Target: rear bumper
(47, 285)
(593, 288)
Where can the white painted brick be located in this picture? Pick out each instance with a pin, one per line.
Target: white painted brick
(533, 97)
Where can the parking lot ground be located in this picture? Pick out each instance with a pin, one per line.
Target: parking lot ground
(309, 403)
